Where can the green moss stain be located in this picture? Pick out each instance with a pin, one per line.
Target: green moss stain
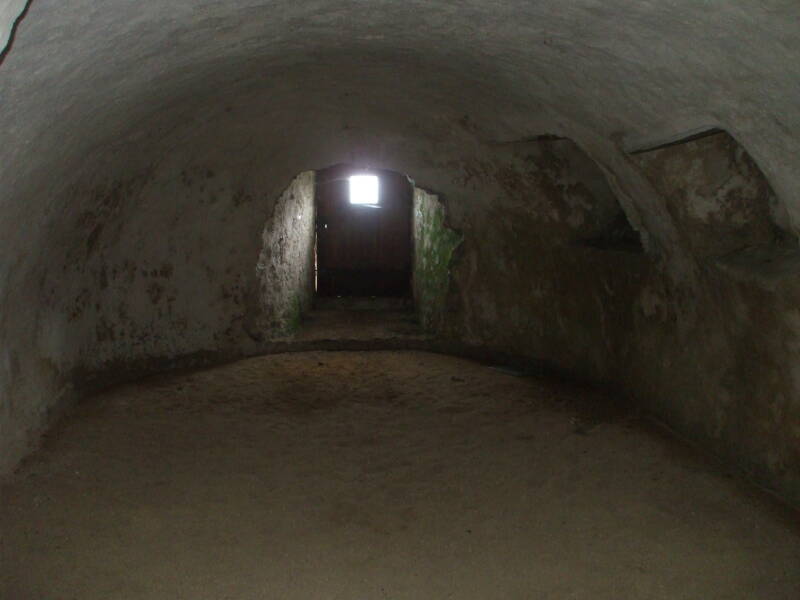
(294, 315)
(435, 245)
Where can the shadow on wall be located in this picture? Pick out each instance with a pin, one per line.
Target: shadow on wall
(526, 253)
(711, 349)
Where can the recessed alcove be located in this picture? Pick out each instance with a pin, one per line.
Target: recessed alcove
(722, 204)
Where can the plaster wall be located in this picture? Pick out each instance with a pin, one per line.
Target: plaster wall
(167, 270)
(144, 144)
(713, 354)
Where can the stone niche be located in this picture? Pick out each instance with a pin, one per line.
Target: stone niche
(722, 204)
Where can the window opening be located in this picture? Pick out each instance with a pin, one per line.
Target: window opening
(364, 189)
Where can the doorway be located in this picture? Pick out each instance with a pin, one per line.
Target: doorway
(364, 233)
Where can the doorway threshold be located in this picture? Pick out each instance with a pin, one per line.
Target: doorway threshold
(359, 319)
(358, 303)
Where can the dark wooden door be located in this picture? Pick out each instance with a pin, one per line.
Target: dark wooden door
(363, 250)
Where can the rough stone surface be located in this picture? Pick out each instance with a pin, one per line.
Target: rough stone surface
(161, 266)
(145, 142)
(710, 352)
(286, 262)
(434, 245)
(526, 279)
(717, 196)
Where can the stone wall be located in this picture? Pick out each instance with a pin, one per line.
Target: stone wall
(286, 262)
(705, 337)
(531, 279)
(719, 350)
(716, 195)
(145, 144)
(434, 246)
(144, 272)
(154, 267)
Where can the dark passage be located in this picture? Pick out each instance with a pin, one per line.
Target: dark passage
(363, 249)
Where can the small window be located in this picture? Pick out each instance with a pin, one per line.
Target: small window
(364, 189)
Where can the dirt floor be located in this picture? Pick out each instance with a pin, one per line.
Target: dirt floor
(385, 475)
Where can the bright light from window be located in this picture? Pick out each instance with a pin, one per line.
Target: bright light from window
(363, 189)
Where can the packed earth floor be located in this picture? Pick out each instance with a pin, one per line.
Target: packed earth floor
(385, 475)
